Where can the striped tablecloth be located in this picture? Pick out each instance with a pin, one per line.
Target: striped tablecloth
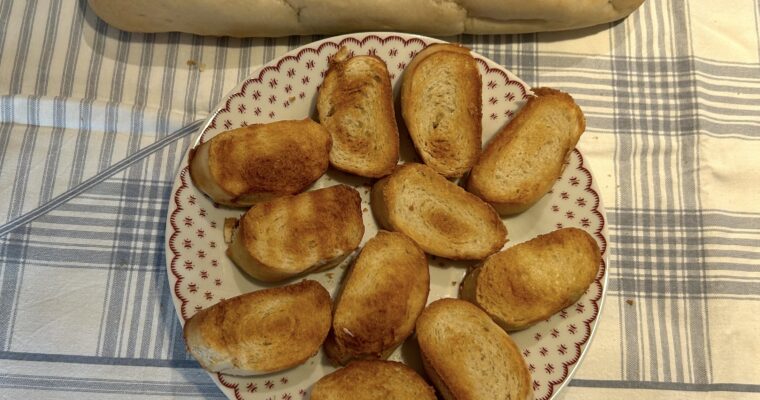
(89, 149)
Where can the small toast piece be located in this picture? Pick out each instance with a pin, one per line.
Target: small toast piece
(467, 356)
(355, 104)
(382, 296)
(527, 156)
(243, 166)
(294, 235)
(373, 380)
(261, 332)
(441, 103)
(441, 217)
(530, 281)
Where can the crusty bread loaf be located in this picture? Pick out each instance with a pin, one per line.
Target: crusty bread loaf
(441, 105)
(293, 235)
(468, 356)
(441, 217)
(530, 281)
(384, 292)
(306, 17)
(373, 380)
(261, 332)
(527, 156)
(258, 162)
(355, 104)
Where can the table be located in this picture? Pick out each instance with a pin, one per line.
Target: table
(89, 148)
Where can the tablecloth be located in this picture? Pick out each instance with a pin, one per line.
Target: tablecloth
(89, 149)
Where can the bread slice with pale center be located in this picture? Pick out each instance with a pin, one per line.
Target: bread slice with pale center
(530, 281)
(355, 104)
(441, 103)
(527, 156)
(261, 332)
(441, 217)
(468, 356)
(385, 290)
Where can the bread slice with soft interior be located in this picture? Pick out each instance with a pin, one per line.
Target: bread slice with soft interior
(383, 294)
(261, 332)
(441, 217)
(295, 235)
(527, 156)
(258, 162)
(372, 380)
(355, 104)
(441, 103)
(529, 282)
(467, 356)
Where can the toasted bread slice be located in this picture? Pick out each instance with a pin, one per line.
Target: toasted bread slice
(467, 356)
(261, 332)
(258, 162)
(373, 380)
(293, 235)
(355, 104)
(530, 281)
(384, 292)
(441, 217)
(442, 107)
(527, 156)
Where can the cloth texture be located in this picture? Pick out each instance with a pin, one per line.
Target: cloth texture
(89, 149)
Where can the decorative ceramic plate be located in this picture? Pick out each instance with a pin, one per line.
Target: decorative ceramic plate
(201, 275)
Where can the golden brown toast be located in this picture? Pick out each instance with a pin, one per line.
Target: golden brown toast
(530, 281)
(385, 290)
(467, 356)
(261, 332)
(258, 162)
(527, 156)
(441, 217)
(355, 104)
(294, 235)
(373, 380)
(441, 105)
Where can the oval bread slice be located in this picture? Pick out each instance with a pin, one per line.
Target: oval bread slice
(246, 165)
(355, 104)
(373, 380)
(261, 332)
(293, 235)
(442, 107)
(383, 294)
(441, 217)
(527, 156)
(468, 356)
(530, 281)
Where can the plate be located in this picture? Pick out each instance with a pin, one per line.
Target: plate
(201, 275)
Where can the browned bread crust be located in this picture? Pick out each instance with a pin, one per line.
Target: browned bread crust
(530, 281)
(258, 162)
(373, 380)
(355, 104)
(261, 332)
(294, 235)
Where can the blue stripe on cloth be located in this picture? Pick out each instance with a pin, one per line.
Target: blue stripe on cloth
(98, 360)
(675, 386)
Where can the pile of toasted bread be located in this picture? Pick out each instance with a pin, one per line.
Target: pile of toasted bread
(288, 232)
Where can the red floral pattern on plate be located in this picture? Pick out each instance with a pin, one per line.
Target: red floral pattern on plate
(201, 275)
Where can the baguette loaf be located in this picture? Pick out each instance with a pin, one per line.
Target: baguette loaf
(467, 356)
(305, 17)
(373, 380)
(441, 217)
(355, 104)
(530, 281)
(384, 292)
(294, 235)
(527, 156)
(441, 106)
(261, 332)
(258, 162)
